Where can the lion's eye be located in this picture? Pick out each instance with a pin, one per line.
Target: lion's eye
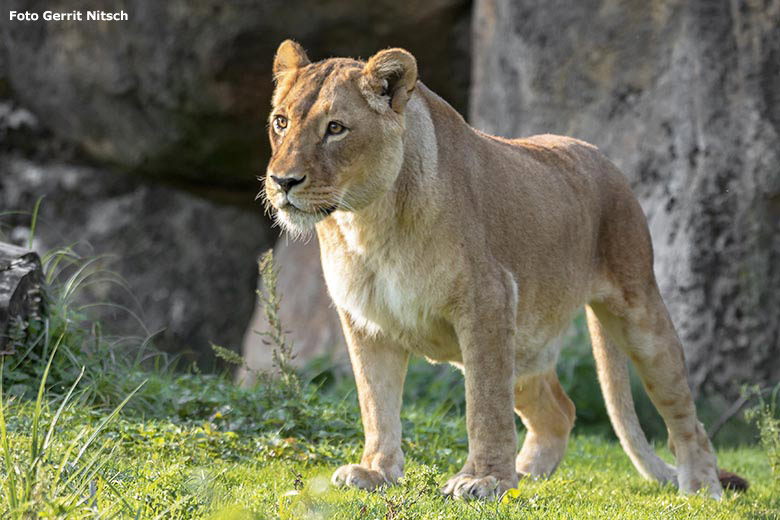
(335, 128)
(280, 124)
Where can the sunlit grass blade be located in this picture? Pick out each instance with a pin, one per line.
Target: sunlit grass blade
(88, 473)
(117, 493)
(66, 455)
(55, 419)
(165, 512)
(77, 278)
(10, 481)
(51, 261)
(34, 221)
(35, 430)
(106, 420)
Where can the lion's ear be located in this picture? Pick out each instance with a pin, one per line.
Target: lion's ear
(390, 76)
(290, 55)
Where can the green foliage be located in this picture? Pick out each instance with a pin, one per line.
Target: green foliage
(191, 417)
(202, 468)
(40, 483)
(34, 221)
(113, 366)
(766, 416)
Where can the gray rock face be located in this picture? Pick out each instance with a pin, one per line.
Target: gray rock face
(684, 96)
(188, 263)
(181, 90)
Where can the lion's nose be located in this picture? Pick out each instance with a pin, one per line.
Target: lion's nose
(286, 183)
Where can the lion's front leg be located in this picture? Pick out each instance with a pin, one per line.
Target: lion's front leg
(486, 334)
(380, 368)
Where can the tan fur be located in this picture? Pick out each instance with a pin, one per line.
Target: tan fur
(439, 240)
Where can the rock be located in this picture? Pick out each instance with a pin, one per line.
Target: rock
(21, 298)
(684, 96)
(182, 89)
(306, 312)
(188, 263)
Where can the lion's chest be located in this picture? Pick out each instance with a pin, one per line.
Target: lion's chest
(381, 296)
(391, 297)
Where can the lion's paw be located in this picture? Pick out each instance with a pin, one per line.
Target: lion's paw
(466, 487)
(357, 476)
(699, 470)
(700, 477)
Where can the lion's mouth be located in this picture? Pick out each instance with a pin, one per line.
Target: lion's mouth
(316, 212)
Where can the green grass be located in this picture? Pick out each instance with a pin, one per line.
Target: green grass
(93, 426)
(173, 468)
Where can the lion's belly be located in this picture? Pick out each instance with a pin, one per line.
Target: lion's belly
(391, 303)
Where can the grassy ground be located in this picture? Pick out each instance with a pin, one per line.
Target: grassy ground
(93, 426)
(159, 468)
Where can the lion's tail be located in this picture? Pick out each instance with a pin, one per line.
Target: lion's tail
(612, 367)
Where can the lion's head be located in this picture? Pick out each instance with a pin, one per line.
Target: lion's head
(336, 130)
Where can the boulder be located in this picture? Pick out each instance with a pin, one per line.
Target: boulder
(684, 96)
(181, 90)
(184, 268)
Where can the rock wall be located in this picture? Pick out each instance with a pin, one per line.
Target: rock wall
(188, 264)
(181, 90)
(684, 96)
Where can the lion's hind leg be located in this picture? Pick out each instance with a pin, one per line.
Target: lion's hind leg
(644, 331)
(548, 415)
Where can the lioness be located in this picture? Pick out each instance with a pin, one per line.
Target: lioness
(439, 240)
